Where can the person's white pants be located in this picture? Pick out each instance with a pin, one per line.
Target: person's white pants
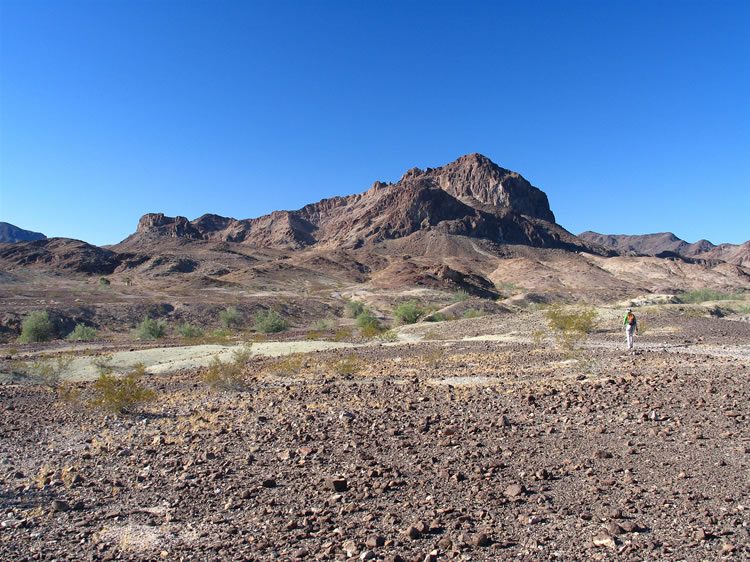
(629, 334)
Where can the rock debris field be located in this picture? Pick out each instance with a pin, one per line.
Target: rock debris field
(437, 449)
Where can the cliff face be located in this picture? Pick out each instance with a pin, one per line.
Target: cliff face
(471, 196)
(11, 233)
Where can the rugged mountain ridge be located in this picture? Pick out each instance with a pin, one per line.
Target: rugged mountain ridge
(471, 196)
(12, 233)
(665, 243)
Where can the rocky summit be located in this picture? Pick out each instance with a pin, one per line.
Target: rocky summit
(471, 196)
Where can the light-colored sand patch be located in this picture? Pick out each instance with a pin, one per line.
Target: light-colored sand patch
(474, 380)
(169, 359)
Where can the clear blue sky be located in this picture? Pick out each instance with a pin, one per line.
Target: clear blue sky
(633, 116)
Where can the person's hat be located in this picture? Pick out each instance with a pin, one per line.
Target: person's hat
(630, 310)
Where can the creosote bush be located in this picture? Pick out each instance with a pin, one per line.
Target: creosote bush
(408, 312)
(186, 330)
(228, 375)
(349, 365)
(460, 296)
(82, 333)
(36, 327)
(49, 371)
(702, 295)
(150, 329)
(120, 395)
(230, 317)
(366, 320)
(270, 322)
(473, 313)
(352, 309)
(571, 326)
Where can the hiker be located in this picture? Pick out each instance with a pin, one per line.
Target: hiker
(631, 326)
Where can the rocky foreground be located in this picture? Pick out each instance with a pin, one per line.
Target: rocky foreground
(464, 450)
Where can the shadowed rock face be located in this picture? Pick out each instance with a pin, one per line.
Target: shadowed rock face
(471, 196)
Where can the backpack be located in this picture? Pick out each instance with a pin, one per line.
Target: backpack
(631, 318)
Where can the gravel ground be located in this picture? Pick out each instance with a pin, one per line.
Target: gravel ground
(484, 449)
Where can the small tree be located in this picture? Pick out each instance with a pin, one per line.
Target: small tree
(408, 312)
(571, 326)
(36, 327)
(368, 321)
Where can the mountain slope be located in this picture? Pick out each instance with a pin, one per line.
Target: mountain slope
(11, 233)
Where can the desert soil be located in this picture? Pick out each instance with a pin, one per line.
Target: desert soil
(466, 440)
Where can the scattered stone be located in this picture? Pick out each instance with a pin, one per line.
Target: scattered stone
(515, 490)
(603, 539)
(374, 541)
(59, 506)
(337, 484)
(412, 532)
(602, 454)
(480, 539)
(269, 483)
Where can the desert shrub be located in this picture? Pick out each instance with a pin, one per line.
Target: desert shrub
(437, 317)
(342, 334)
(270, 322)
(387, 336)
(49, 371)
(120, 395)
(321, 325)
(187, 330)
(352, 309)
(349, 365)
(434, 358)
(104, 282)
(473, 313)
(230, 317)
(82, 333)
(36, 327)
(570, 326)
(368, 321)
(290, 365)
(702, 295)
(408, 312)
(229, 375)
(460, 296)
(150, 329)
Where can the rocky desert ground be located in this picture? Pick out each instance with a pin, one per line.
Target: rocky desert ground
(472, 439)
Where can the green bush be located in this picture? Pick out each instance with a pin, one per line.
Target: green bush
(368, 321)
(353, 309)
(702, 295)
(104, 282)
(120, 395)
(228, 375)
(321, 325)
(150, 329)
(473, 313)
(186, 330)
(49, 371)
(346, 366)
(36, 327)
(230, 317)
(571, 326)
(270, 322)
(460, 296)
(437, 317)
(408, 312)
(82, 333)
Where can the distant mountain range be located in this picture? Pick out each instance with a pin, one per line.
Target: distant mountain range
(665, 243)
(11, 233)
